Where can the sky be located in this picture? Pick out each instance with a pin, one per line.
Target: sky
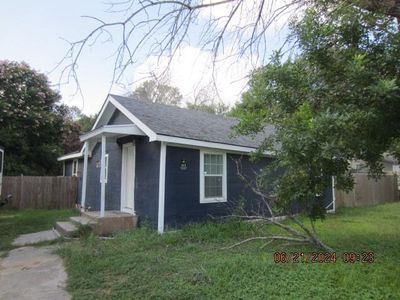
(37, 32)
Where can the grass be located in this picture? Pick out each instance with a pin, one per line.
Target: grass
(190, 264)
(15, 222)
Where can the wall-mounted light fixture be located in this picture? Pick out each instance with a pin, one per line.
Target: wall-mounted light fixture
(184, 165)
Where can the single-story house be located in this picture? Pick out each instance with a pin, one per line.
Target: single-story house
(390, 165)
(165, 164)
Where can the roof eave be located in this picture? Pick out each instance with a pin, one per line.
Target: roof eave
(210, 145)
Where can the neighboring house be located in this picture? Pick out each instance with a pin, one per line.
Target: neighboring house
(390, 167)
(165, 164)
(389, 163)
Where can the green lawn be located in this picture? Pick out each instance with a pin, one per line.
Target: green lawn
(189, 264)
(16, 222)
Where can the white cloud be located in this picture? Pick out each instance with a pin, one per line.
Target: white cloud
(192, 69)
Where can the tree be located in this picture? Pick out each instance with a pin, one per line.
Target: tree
(75, 124)
(214, 108)
(86, 122)
(337, 100)
(158, 92)
(205, 99)
(31, 121)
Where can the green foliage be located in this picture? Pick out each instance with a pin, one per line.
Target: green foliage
(86, 122)
(31, 121)
(190, 264)
(75, 124)
(157, 92)
(337, 100)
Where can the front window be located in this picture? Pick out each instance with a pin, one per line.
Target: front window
(75, 167)
(212, 177)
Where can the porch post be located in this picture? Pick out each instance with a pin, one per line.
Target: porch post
(161, 188)
(84, 175)
(102, 175)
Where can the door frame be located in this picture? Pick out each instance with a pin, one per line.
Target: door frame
(123, 177)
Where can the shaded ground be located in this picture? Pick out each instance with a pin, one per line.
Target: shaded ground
(189, 264)
(32, 273)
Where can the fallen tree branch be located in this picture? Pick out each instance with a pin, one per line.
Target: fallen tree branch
(271, 238)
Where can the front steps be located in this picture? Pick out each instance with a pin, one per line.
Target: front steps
(67, 229)
(113, 221)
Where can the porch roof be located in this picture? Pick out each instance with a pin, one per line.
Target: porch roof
(111, 130)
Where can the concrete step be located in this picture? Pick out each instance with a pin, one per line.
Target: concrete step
(67, 229)
(82, 220)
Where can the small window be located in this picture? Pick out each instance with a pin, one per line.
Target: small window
(75, 167)
(106, 168)
(212, 177)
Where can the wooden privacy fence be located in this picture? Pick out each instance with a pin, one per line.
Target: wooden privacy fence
(368, 191)
(41, 192)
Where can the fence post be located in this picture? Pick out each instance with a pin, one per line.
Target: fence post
(21, 193)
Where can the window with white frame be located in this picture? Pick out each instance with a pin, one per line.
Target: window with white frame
(75, 167)
(212, 177)
(106, 168)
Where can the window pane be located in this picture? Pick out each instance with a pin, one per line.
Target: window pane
(212, 186)
(207, 168)
(213, 164)
(213, 159)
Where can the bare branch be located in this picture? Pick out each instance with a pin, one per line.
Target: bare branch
(273, 238)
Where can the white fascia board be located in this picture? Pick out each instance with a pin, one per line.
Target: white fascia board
(71, 156)
(129, 129)
(150, 133)
(210, 145)
(101, 113)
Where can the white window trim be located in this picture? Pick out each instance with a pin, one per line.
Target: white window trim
(203, 199)
(106, 168)
(77, 168)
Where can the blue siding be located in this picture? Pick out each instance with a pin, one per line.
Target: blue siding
(182, 187)
(182, 192)
(113, 186)
(147, 179)
(118, 118)
(238, 191)
(68, 168)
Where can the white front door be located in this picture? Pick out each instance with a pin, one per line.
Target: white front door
(128, 178)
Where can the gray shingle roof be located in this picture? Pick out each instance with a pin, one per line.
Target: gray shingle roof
(191, 124)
